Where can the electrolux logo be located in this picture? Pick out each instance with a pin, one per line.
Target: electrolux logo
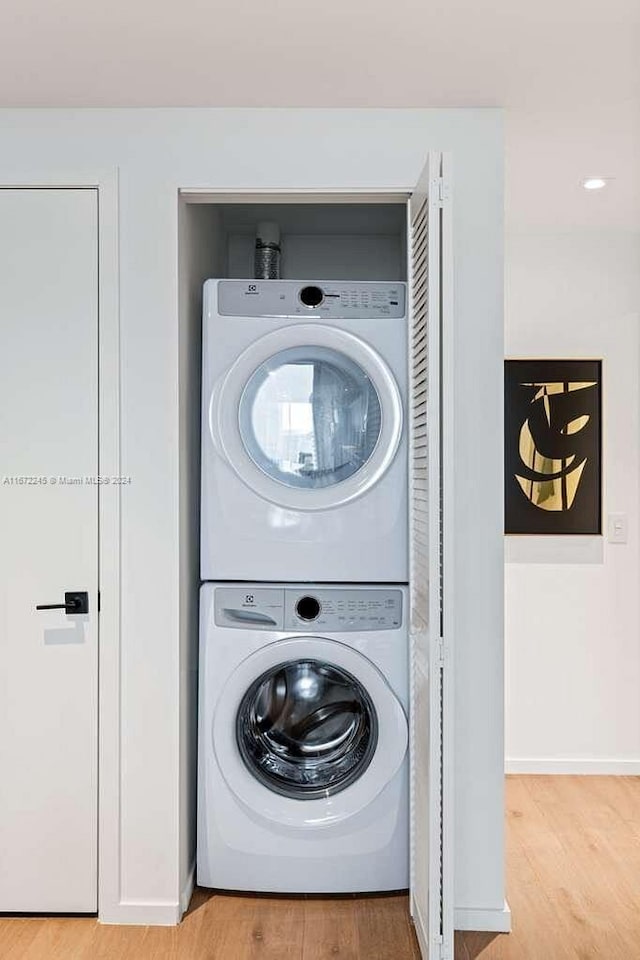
(252, 290)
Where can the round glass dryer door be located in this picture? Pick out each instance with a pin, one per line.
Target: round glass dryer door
(310, 417)
(306, 729)
(307, 732)
(318, 417)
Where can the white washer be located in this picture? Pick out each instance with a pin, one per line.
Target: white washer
(304, 453)
(303, 765)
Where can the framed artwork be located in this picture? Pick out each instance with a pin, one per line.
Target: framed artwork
(553, 446)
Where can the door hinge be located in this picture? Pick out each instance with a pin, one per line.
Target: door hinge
(444, 953)
(440, 652)
(442, 191)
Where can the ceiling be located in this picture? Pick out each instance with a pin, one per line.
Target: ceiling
(568, 72)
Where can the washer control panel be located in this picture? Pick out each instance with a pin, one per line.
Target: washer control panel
(313, 299)
(336, 610)
(308, 608)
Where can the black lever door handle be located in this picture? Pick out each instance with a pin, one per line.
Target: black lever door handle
(75, 601)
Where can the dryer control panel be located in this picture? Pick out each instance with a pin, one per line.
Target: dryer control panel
(319, 299)
(308, 608)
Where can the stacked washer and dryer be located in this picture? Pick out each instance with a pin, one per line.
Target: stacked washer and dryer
(303, 731)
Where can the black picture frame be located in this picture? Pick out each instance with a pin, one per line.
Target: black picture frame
(553, 446)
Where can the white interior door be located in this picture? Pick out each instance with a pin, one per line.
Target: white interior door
(431, 635)
(48, 547)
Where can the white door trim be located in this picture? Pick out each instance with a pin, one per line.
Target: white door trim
(105, 182)
(205, 194)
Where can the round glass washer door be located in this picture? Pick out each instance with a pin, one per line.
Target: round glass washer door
(306, 729)
(309, 417)
(307, 732)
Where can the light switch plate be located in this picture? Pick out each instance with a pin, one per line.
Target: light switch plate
(618, 528)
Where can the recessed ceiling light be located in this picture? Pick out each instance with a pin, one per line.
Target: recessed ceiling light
(594, 183)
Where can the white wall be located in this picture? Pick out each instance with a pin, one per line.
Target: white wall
(572, 604)
(156, 152)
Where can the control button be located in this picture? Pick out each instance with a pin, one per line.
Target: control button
(311, 296)
(307, 608)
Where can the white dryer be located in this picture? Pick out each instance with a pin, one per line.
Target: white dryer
(304, 453)
(303, 765)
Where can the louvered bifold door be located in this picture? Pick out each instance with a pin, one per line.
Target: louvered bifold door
(431, 857)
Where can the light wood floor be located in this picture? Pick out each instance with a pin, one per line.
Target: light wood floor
(573, 863)
(573, 872)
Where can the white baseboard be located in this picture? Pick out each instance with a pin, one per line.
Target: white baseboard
(152, 913)
(541, 765)
(160, 913)
(485, 921)
(187, 890)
